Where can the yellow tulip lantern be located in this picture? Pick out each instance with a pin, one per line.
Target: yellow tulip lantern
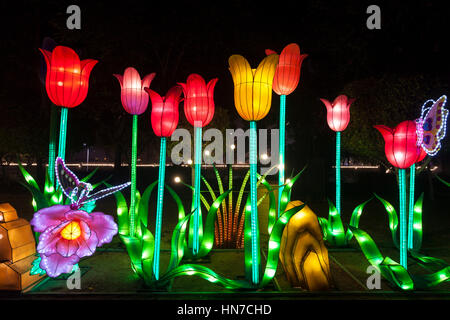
(253, 99)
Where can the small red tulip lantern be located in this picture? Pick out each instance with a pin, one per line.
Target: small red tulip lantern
(338, 112)
(165, 111)
(401, 147)
(133, 96)
(198, 100)
(338, 117)
(285, 81)
(67, 83)
(199, 111)
(164, 123)
(135, 102)
(403, 151)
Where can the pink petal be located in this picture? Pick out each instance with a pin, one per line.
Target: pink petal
(120, 78)
(66, 248)
(104, 226)
(49, 238)
(78, 215)
(88, 242)
(47, 217)
(56, 264)
(148, 80)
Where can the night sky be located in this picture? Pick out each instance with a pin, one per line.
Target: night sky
(175, 39)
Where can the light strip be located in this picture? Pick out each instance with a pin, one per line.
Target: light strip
(358, 167)
(338, 172)
(253, 203)
(282, 149)
(412, 176)
(159, 208)
(403, 236)
(62, 134)
(197, 168)
(132, 212)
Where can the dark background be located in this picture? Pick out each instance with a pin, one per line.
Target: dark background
(390, 72)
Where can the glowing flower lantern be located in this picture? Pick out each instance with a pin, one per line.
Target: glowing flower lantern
(287, 76)
(402, 151)
(401, 147)
(199, 111)
(338, 112)
(165, 113)
(68, 235)
(67, 83)
(338, 117)
(164, 122)
(135, 101)
(253, 98)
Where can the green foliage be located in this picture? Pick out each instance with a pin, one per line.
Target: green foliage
(333, 229)
(141, 247)
(396, 274)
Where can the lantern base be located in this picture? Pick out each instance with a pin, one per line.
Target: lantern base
(16, 276)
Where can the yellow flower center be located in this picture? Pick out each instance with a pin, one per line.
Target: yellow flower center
(72, 231)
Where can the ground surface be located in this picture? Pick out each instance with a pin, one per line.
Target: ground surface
(108, 272)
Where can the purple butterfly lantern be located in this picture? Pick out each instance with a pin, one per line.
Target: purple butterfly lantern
(68, 233)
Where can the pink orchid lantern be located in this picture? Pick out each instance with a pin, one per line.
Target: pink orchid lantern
(68, 235)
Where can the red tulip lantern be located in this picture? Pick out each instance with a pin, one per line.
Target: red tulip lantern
(338, 117)
(338, 112)
(198, 100)
(135, 102)
(287, 73)
(67, 83)
(199, 111)
(401, 146)
(67, 78)
(133, 96)
(164, 122)
(403, 151)
(165, 111)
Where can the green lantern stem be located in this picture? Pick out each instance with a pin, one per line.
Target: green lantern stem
(62, 134)
(403, 240)
(282, 148)
(412, 180)
(133, 174)
(338, 172)
(253, 203)
(52, 145)
(159, 208)
(197, 168)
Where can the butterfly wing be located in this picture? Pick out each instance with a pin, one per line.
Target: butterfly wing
(434, 126)
(66, 178)
(105, 192)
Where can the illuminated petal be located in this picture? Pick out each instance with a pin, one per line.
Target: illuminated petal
(148, 80)
(56, 264)
(269, 52)
(47, 217)
(67, 248)
(120, 78)
(262, 86)
(104, 227)
(49, 238)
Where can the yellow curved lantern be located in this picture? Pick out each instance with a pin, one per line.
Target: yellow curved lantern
(253, 87)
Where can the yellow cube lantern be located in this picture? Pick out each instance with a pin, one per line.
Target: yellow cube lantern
(17, 251)
(7, 213)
